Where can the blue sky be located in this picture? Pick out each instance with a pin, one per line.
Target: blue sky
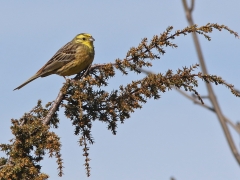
(168, 137)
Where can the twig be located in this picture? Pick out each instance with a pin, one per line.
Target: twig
(23, 122)
(196, 101)
(209, 108)
(212, 96)
(5, 165)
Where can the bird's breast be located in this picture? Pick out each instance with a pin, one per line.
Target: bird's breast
(83, 58)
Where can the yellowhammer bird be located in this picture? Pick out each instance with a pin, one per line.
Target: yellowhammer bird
(71, 59)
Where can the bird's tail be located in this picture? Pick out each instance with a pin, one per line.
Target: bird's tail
(28, 81)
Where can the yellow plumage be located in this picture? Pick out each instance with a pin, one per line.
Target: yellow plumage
(71, 59)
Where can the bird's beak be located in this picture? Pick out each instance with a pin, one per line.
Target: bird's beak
(91, 39)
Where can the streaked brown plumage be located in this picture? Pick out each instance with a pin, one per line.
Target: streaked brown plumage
(71, 59)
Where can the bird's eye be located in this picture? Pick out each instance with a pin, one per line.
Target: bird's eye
(84, 39)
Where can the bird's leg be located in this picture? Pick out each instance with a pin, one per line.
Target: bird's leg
(87, 70)
(66, 78)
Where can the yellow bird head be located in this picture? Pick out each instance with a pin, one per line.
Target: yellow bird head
(85, 39)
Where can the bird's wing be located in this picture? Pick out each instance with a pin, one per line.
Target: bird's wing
(63, 56)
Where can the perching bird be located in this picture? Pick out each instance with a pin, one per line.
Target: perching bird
(71, 59)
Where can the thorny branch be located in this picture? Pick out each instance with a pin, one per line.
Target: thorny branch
(211, 93)
(60, 97)
(156, 42)
(196, 101)
(84, 104)
(136, 55)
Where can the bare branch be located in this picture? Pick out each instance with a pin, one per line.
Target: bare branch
(212, 96)
(54, 108)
